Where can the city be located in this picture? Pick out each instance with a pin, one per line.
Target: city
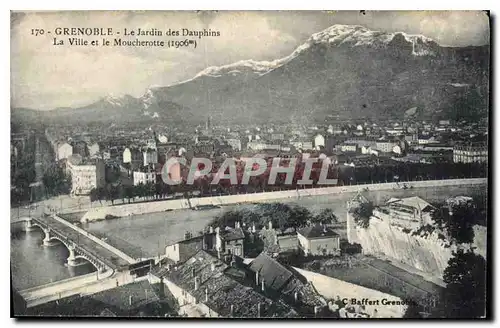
(351, 215)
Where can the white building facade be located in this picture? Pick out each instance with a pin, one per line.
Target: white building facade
(84, 178)
(144, 177)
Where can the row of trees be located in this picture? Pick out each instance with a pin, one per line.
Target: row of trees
(410, 172)
(346, 175)
(23, 172)
(56, 181)
(282, 216)
(129, 193)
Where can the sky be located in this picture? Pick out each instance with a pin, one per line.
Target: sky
(44, 76)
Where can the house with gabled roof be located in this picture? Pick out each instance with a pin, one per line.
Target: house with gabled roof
(206, 286)
(318, 240)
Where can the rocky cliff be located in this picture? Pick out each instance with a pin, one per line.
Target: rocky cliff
(425, 252)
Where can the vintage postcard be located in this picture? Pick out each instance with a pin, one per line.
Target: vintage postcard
(250, 164)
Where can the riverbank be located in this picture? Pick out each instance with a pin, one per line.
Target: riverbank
(100, 213)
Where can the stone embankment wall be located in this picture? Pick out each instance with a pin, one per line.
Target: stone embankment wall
(331, 288)
(100, 213)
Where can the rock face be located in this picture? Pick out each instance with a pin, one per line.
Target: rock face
(428, 254)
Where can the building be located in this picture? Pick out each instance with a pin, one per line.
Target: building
(260, 145)
(348, 148)
(409, 213)
(472, 153)
(318, 240)
(303, 144)
(86, 176)
(133, 157)
(234, 143)
(290, 286)
(64, 150)
(425, 141)
(181, 251)
(206, 286)
(225, 242)
(80, 147)
(93, 149)
(150, 156)
(230, 240)
(385, 146)
(144, 177)
(319, 141)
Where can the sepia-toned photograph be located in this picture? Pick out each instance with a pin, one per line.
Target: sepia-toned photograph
(250, 164)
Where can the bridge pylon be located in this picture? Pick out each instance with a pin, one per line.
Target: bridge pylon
(72, 256)
(46, 240)
(28, 225)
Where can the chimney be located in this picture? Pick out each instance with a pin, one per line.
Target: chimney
(130, 300)
(253, 228)
(237, 224)
(257, 278)
(296, 296)
(193, 271)
(204, 243)
(270, 225)
(258, 310)
(232, 310)
(324, 228)
(196, 283)
(316, 310)
(263, 285)
(206, 294)
(211, 229)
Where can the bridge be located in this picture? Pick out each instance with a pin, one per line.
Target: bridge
(80, 243)
(81, 285)
(114, 267)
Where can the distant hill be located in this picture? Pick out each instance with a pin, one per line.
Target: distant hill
(346, 71)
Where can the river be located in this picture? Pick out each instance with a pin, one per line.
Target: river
(146, 235)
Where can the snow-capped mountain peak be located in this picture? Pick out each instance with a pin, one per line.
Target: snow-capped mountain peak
(148, 98)
(116, 101)
(250, 65)
(356, 35)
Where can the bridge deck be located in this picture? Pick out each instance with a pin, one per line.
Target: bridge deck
(106, 256)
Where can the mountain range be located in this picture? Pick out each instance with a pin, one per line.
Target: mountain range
(343, 71)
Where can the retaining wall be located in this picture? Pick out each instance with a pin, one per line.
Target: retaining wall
(332, 288)
(99, 213)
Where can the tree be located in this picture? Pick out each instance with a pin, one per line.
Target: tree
(281, 215)
(93, 195)
(465, 278)
(129, 192)
(458, 220)
(325, 216)
(362, 214)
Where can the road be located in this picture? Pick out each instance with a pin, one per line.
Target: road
(107, 254)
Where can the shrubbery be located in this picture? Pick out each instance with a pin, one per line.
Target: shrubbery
(362, 214)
